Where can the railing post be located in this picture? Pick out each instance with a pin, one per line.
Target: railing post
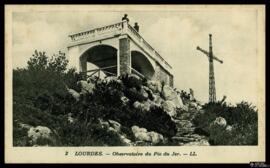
(125, 27)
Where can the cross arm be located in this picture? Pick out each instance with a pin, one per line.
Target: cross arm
(207, 54)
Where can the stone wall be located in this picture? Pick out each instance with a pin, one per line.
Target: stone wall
(163, 76)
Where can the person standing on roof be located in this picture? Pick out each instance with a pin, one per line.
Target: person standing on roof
(125, 18)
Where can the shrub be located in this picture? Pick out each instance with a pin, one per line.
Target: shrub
(134, 95)
(243, 117)
(156, 120)
(131, 81)
(20, 136)
(87, 134)
(108, 94)
(128, 132)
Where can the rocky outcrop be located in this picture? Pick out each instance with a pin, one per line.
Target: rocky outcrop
(155, 86)
(170, 94)
(141, 135)
(126, 141)
(157, 100)
(115, 125)
(154, 94)
(144, 106)
(40, 136)
(169, 107)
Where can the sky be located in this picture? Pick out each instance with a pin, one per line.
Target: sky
(175, 34)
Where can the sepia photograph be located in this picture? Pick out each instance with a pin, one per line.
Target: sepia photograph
(135, 77)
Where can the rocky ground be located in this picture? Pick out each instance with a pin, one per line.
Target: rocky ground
(181, 110)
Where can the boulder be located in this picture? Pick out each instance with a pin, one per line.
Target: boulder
(155, 137)
(157, 100)
(137, 105)
(124, 100)
(138, 129)
(147, 89)
(125, 141)
(104, 124)
(112, 129)
(169, 107)
(155, 86)
(86, 87)
(229, 128)
(141, 134)
(144, 106)
(74, 94)
(115, 125)
(170, 94)
(39, 132)
(220, 121)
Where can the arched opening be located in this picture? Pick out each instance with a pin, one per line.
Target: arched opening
(99, 58)
(141, 64)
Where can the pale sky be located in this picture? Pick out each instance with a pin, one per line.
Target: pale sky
(175, 34)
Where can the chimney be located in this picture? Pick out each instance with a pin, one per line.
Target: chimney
(136, 27)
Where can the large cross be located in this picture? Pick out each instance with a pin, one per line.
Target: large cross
(211, 57)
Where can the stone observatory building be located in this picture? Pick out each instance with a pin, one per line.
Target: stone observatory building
(117, 49)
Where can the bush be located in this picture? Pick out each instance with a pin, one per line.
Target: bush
(20, 136)
(134, 95)
(243, 117)
(87, 134)
(131, 81)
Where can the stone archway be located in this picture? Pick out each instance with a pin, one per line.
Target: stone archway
(140, 63)
(102, 56)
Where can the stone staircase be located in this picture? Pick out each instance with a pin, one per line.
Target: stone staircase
(185, 135)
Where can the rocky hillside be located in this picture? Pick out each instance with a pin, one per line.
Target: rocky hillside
(142, 99)
(53, 106)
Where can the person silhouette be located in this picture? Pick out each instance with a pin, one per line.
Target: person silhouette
(136, 27)
(125, 18)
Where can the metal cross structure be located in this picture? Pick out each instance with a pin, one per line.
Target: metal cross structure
(211, 57)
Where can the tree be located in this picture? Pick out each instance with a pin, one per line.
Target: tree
(40, 61)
